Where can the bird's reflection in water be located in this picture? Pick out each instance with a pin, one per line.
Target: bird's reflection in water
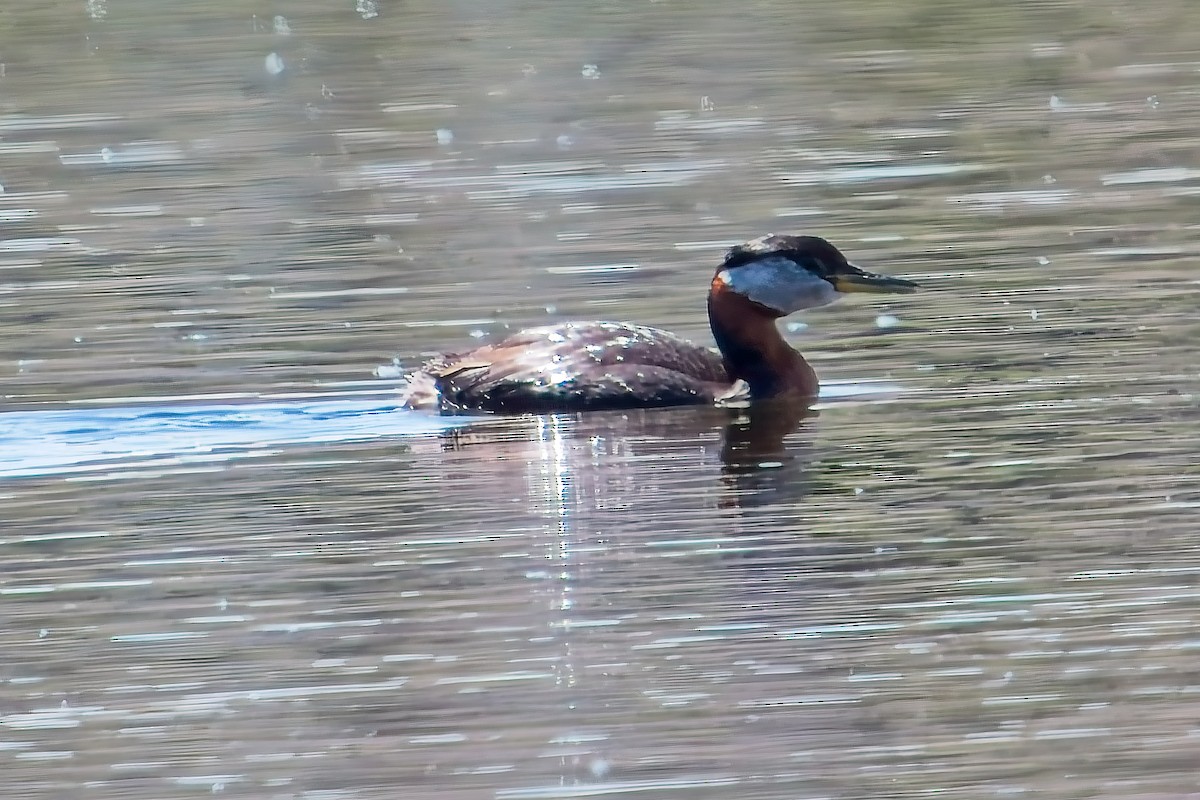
(728, 457)
(762, 461)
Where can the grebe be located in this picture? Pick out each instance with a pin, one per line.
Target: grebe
(591, 366)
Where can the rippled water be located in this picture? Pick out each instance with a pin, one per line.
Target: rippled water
(232, 569)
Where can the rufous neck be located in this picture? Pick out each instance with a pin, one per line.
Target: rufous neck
(752, 348)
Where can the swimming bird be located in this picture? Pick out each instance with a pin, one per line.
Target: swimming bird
(591, 366)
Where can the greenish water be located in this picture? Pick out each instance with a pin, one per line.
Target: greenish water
(981, 584)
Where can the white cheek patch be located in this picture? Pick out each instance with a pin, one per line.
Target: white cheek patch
(779, 283)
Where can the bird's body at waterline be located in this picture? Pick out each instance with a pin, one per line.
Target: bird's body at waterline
(589, 366)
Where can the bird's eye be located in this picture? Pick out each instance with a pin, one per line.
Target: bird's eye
(817, 265)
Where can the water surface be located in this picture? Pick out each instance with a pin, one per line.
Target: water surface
(232, 569)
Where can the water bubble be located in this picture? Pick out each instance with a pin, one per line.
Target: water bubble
(445, 136)
(706, 104)
(1057, 103)
(389, 371)
(273, 63)
(1033, 314)
(97, 9)
(796, 327)
(1152, 101)
(367, 9)
(591, 71)
(477, 334)
(564, 142)
(551, 309)
(886, 321)
(281, 26)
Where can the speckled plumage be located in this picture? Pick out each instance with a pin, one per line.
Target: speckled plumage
(580, 366)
